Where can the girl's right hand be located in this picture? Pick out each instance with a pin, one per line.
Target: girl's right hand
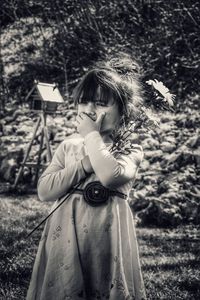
(85, 124)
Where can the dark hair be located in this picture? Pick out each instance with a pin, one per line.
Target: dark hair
(119, 77)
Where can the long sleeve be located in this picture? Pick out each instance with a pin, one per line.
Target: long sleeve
(112, 172)
(59, 176)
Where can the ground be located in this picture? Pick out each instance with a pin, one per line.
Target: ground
(170, 257)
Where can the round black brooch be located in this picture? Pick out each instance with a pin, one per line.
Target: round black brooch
(95, 193)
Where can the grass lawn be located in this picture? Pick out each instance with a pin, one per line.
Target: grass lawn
(170, 257)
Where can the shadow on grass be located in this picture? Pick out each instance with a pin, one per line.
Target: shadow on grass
(190, 263)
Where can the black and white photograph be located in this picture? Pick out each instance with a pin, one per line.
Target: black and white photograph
(99, 150)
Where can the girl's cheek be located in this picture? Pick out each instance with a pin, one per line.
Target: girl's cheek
(101, 108)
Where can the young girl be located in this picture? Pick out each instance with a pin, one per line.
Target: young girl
(88, 248)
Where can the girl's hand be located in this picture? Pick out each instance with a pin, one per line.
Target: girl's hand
(86, 125)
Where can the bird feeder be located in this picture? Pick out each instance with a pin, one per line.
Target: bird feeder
(44, 97)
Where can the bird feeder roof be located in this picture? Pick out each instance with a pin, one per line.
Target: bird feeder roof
(46, 92)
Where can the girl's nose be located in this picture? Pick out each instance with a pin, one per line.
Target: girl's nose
(90, 107)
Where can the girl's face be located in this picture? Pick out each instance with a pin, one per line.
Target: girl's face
(96, 106)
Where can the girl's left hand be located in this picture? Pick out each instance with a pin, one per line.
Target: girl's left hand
(86, 125)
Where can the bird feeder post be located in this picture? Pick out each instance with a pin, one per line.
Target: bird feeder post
(27, 153)
(39, 158)
(45, 134)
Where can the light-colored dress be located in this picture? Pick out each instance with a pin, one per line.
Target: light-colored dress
(88, 252)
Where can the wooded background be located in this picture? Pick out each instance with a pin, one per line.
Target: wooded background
(58, 40)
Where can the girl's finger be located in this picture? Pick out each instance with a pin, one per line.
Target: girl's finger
(80, 116)
(100, 118)
(78, 119)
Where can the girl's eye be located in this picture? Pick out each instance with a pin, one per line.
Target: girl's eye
(96, 102)
(82, 101)
(100, 103)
